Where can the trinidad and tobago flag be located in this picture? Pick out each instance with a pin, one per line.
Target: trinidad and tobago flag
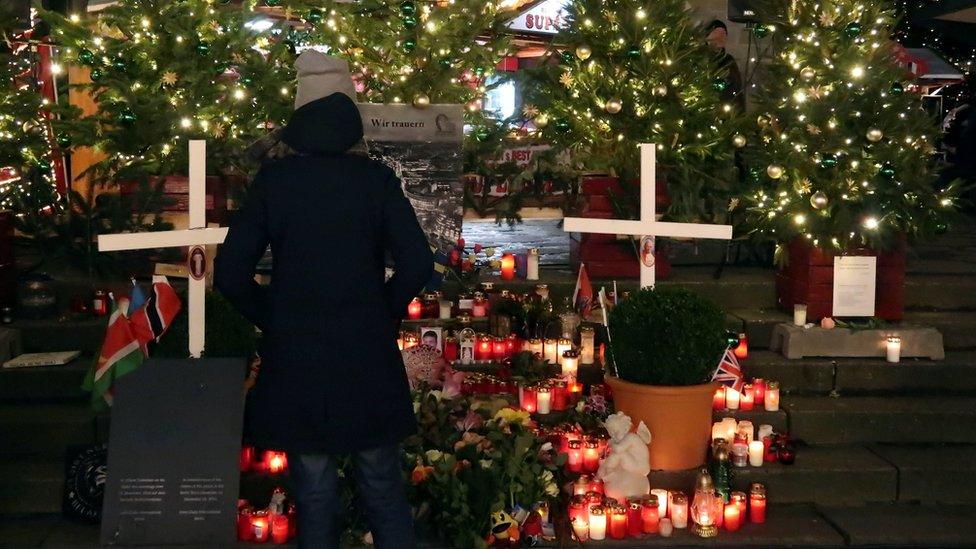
(151, 321)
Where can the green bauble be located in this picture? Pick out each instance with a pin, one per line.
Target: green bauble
(408, 8)
(482, 134)
(119, 64)
(203, 48)
(272, 3)
(634, 52)
(941, 228)
(887, 171)
(897, 88)
(126, 117)
(86, 56)
(314, 16)
(562, 125)
(96, 75)
(755, 174)
(761, 31)
(720, 84)
(43, 165)
(853, 30)
(828, 160)
(246, 80)
(479, 71)
(446, 63)
(409, 21)
(409, 45)
(567, 56)
(64, 140)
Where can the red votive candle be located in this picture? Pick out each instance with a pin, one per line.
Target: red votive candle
(513, 345)
(747, 398)
(581, 486)
(718, 401)
(245, 531)
(733, 517)
(483, 347)
(559, 396)
(739, 499)
(527, 399)
(757, 503)
(759, 391)
(260, 526)
(450, 349)
(508, 266)
(770, 451)
(596, 485)
(578, 508)
(591, 455)
(415, 309)
(618, 522)
(499, 348)
(634, 520)
(275, 462)
(650, 515)
(279, 529)
(574, 457)
(742, 349)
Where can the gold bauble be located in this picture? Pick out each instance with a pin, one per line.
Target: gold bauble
(874, 135)
(613, 106)
(583, 52)
(661, 90)
(807, 73)
(739, 140)
(774, 171)
(541, 121)
(818, 200)
(421, 101)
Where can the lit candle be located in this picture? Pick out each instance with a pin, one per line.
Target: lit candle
(534, 346)
(532, 265)
(618, 522)
(245, 529)
(757, 503)
(650, 515)
(730, 426)
(746, 397)
(732, 399)
(635, 518)
(733, 517)
(527, 399)
(414, 309)
(570, 364)
(587, 345)
(718, 431)
(480, 307)
(581, 528)
(499, 348)
(740, 455)
(598, 523)
(756, 451)
(746, 427)
(552, 351)
(445, 309)
(679, 510)
(764, 431)
(742, 349)
(718, 401)
(275, 462)
(574, 456)
(410, 340)
(450, 349)
(465, 303)
(597, 486)
(800, 314)
(260, 527)
(508, 266)
(542, 290)
(562, 346)
(591, 455)
(662, 501)
(893, 348)
(772, 397)
(512, 344)
(543, 400)
(581, 486)
(483, 347)
(759, 390)
(560, 395)
(579, 508)
(279, 529)
(666, 528)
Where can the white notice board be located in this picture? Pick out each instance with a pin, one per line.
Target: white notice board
(854, 285)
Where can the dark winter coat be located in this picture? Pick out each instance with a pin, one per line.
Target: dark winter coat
(331, 378)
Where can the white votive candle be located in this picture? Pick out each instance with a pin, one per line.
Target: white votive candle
(543, 400)
(893, 347)
(679, 512)
(532, 265)
(598, 523)
(552, 351)
(772, 397)
(765, 430)
(800, 314)
(445, 309)
(756, 450)
(732, 399)
(730, 424)
(662, 501)
(746, 427)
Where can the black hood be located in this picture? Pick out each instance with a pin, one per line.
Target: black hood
(330, 125)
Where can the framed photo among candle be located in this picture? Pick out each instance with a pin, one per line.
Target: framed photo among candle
(432, 336)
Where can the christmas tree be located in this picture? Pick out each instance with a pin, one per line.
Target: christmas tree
(165, 71)
(844, 157)
(638, 72)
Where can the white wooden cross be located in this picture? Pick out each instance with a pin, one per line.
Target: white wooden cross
(647, 227)
(196, 236)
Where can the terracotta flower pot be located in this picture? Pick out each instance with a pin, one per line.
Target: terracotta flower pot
(680, 419)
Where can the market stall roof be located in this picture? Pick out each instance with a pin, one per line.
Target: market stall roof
(961, 11)
(929, 68)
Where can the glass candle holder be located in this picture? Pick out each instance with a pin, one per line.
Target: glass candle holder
(445, 307)
(532, 264)
(757, 503)
(534, 346)
(732, 399)
(759, 390)
(663, 499)
(562, 346)
(574, 456)
(650, 515)
(415, 309)
(543, 397)
(893, 349)
(733, 517)
(587, 345)
(771, 402)
(746, 398)
(718, 400)
(800, 314)
(551, 351)
(598, 523)
(570, 364)
(591, 455)
(508, 266)
(679, 510)
(635, 522)
(617, 522)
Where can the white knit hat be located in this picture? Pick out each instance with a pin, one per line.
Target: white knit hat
(320, 75)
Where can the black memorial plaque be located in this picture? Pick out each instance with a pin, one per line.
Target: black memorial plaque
(173, 453)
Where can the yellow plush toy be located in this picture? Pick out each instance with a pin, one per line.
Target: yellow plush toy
(504, 530)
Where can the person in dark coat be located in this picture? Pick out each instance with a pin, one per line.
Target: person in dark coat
(717, 34)
(332, 379)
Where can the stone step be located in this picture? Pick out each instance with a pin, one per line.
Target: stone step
(31, 484)
(897, 419)
(958, 327)
(84, 333)
(853, 376)
(48, 428)
(900, 525)
(44, 383)
(821, 474)
(933, 473)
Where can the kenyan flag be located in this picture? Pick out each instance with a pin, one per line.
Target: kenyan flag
(120, 354)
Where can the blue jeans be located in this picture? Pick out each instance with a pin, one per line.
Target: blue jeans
(381, 491)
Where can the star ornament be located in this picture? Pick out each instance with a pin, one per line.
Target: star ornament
(567, 79)
(169, 78)
(217, 129)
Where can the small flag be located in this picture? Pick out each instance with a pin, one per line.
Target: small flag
(137, 297)
(151, 321)
(121, 353)
(729, 373)
(583, 294)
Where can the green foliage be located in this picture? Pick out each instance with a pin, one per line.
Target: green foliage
(838, 120)
(668, 337)
(166, 71)
(228, 334)
(652, 61)
(528, 369)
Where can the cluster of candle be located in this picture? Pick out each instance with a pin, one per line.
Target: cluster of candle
(757, 393)
(710, 512)
(522, 265)
(583, 451)
(486, 384)
(752, 448)
(273, 524)
(594, 516)
(553, 395)
(268, 461)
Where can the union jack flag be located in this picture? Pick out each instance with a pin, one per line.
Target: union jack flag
(729, 373)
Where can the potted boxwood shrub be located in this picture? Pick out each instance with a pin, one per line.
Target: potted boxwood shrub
(666, 344)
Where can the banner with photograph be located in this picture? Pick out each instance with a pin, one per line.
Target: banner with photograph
(423, 146)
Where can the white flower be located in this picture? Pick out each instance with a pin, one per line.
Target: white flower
(433, 455)
(552, 490)
(547, 476)
(437, 394)
(485, 463)
(547, 447)
(580, 406)
(416, 407)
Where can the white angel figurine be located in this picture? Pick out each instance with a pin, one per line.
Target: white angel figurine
(625, 469)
